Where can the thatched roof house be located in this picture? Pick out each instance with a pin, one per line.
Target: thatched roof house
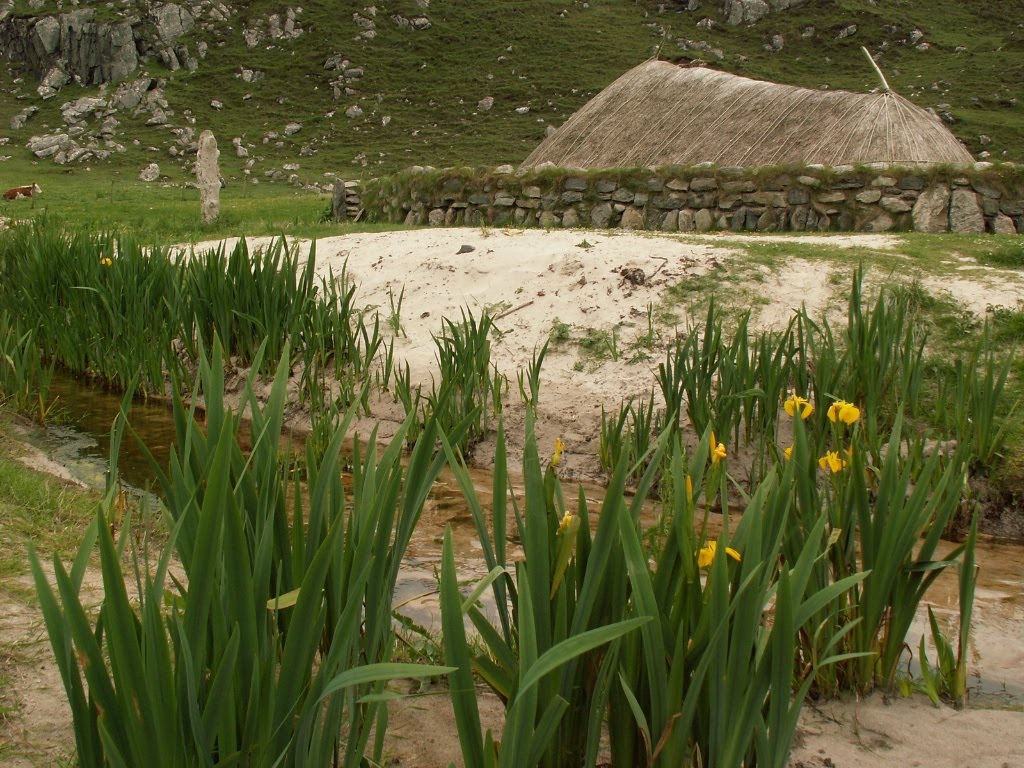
(659, 113)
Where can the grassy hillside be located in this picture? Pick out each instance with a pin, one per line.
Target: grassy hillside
(420, 87)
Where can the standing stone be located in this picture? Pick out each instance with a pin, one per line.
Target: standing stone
(965, 213)
(208, 177)
(436, 217)
(670, 222)
(931, 211)
(570, 219)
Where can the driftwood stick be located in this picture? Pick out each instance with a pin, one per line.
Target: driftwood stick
(524, 305)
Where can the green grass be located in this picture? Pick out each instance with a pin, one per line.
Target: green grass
(36, 507)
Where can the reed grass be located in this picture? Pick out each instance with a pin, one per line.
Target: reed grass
(272, 644)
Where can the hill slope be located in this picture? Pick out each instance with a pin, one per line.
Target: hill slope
(448, 83)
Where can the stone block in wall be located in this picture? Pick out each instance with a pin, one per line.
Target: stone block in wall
(479, 198)
(738, 187)
(722, 221)
(618, 208)
(894, 205)
(476, 216)
(632, 218)
(623, 195)
(703, 184)
(575, 184)
(641, 198)
(606, 186)
(570, 219)
(601, 215)
(677, 185)
(501, 217)
(1012, 207)
(670, 221)
(986, 190)
(771, 199)
(728, 202)
(655, 185)
(702, 199)
(703, 220)
(843, 222)
(528, 202)
(452, 185)
(911, 182)
(532, 191)
(671, 201)
(824, 223)
(989, 207)
(797, 196)
(849, 183)
(504, 201)
(410, 219)
(931, 211)
(809, 181)
(777, 184)
(549, 220)
(768, 221)
(828, 198)
(436, 217)
(883, 181)
(568, 198)
(964, 212)
(883, 222)
(686, 221)
(1003, 225)
(869, 196)
(521, 215)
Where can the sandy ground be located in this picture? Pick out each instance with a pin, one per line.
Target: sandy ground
(528, 280)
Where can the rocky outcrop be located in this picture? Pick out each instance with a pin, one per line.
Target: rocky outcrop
(742, 11)
(814, 199)
(75, 47)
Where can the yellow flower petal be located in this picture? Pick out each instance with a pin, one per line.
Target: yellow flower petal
(840, 410)
(795, 404)
(788, 453)
(566, 521)
(556, 457)
(706, 554)
(717, 450)
(832, 462)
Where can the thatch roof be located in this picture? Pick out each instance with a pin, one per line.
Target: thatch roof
(662, 114)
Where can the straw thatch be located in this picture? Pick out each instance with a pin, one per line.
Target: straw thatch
(661, 114)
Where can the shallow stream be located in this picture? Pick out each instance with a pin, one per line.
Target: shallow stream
(81, 442)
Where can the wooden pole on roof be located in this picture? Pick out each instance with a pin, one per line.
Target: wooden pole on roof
(878, 71)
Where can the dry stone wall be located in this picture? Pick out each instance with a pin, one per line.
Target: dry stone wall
(983, 198)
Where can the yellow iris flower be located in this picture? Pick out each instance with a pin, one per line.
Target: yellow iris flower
(832, 461)
(706, 554)
(795, 404)
(556, 457)
(788, 453)
(717, 450)
(843, 411)
(106, 261)
(566, 521)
